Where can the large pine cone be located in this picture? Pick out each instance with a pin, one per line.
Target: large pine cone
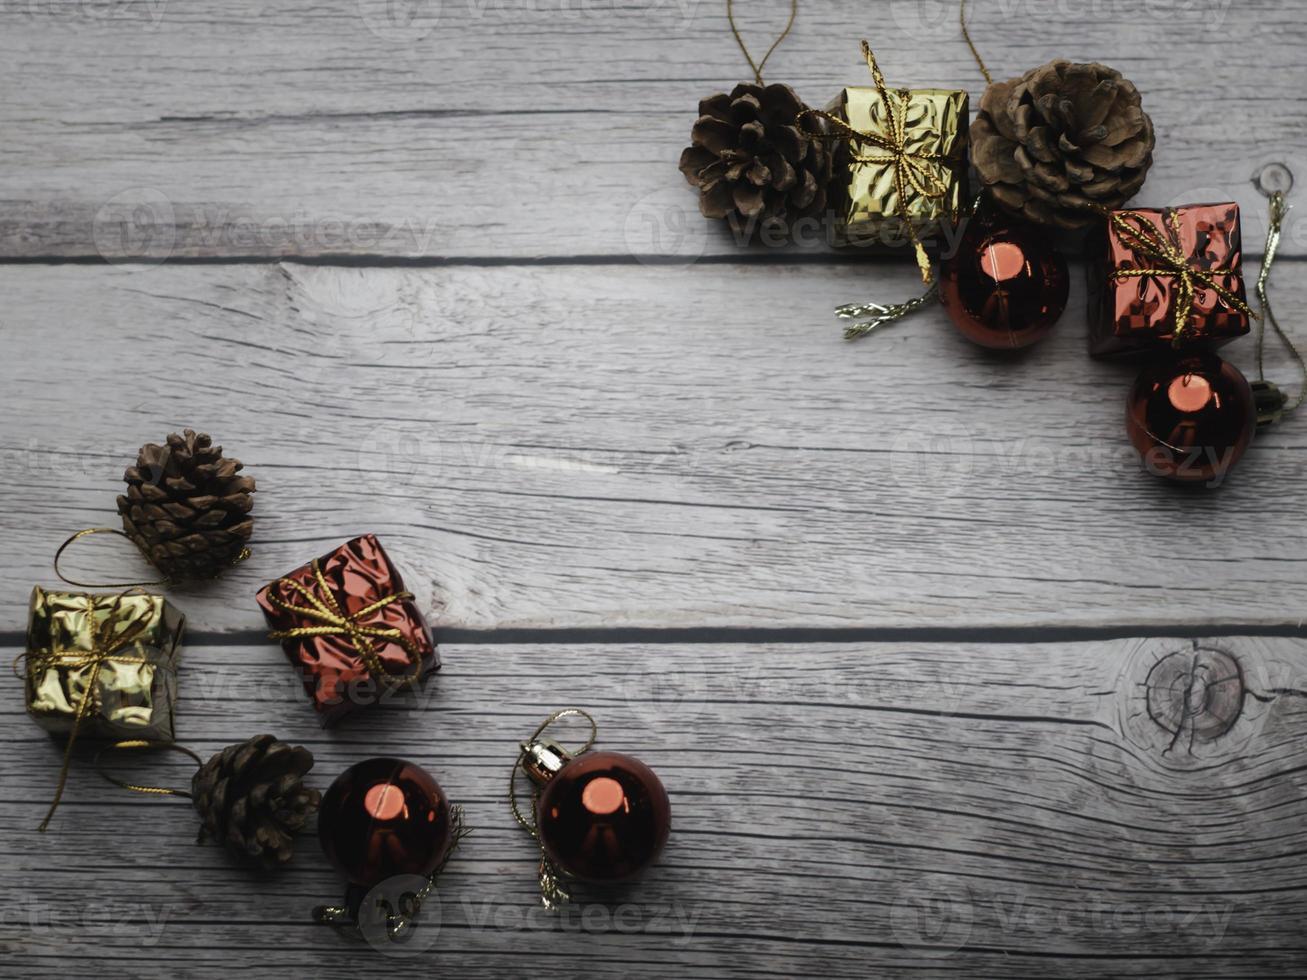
(751, 160)
(1059, 139)
(186, 508)
(251, 797)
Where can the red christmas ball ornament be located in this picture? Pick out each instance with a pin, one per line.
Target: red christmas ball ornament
(1005, 285)
(1191, 417)
(385, 817)
(603, 817)
(599, 816)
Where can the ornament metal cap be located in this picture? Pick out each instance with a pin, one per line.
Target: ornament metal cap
(542, 759)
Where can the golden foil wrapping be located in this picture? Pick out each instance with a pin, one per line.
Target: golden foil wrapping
(935, 125)
(121, 650)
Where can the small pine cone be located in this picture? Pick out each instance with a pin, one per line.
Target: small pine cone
(186, 507)
(1062, 138)
(751, 160)
(251, 798)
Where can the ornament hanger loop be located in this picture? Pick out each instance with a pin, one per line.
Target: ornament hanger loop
(553, 892)
(141, 743)
(568, 713)
(530, 825)
(966, 34)
(758, 67)
(86, 532)
(1275, 180)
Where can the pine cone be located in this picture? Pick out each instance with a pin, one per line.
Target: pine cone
(186, 508)
(251, 797)
(752, 161)
(1059, 138)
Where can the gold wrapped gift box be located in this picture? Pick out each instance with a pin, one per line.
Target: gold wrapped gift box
(934, 131)
(103, 665)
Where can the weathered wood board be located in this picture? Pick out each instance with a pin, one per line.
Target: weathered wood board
(996, 810)
(634, 447)
(495, 129)
(942, 684)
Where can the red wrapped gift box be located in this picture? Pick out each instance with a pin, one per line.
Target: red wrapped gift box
(1147, 263)
(349, 627)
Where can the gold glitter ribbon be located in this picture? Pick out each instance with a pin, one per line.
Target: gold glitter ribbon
(104, 647)
(913, 169)
(1142, 238)
(326, 610)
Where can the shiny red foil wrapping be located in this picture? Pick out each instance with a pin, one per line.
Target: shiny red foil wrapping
(358, 573)
(1137, 314)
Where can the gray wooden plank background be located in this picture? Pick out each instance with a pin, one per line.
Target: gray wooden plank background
(840, 808)
(645, 448)
(535, 128)
(887, 617)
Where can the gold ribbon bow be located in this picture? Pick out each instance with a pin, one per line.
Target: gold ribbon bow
(335, 622)
(105, 646)
(1141, 236)
(913, 169)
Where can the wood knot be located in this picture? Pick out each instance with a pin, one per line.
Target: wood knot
(1195, 695)
(1184, 709)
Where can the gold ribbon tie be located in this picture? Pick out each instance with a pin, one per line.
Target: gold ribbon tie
(916, 170)
(1169, 259)
(324, 609)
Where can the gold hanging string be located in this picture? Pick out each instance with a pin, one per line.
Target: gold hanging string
(103, 647)
(1170, 260)
(553, 892)
(966, 34)
(530, 825)
(141, 743)
(323, 608)
(98, 585)
(1278, 210)
(917, 170)
(241, 555)
(758, 67)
